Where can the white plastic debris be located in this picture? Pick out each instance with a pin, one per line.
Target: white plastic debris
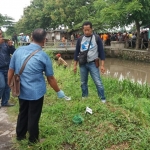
(88, 110)
(67, 98)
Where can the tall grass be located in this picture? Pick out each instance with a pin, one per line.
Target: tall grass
(122, 123)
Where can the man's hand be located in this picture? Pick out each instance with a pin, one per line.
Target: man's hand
(102, 69)
(75, 67)
(60, 94)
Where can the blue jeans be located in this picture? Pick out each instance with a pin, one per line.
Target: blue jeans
(95, 74)
(4, 88)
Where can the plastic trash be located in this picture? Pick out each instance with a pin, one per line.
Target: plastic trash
(77, 119)
(88, 110)
(67, 98)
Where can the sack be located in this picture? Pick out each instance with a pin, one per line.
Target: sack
(83, 57)
(15, 85)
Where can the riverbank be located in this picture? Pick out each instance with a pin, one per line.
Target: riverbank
(128, 54)
(116, 50)
(122, 123)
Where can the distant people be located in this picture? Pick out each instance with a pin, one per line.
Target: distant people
(113, 37)
(78, 35)
(18, 38)
(33, 86)
(22, 39)
(120, 37)
(6, 50)
(105, 37)
(63, 40)
(61, 61)
(108, 39)
(133, 40)
(15, 39)
(27, 39)
(72, 40)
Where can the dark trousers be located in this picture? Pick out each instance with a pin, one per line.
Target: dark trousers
(28, 119)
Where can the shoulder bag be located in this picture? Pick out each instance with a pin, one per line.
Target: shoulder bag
(82, 58)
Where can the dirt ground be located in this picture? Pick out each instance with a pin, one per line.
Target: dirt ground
(7, 130)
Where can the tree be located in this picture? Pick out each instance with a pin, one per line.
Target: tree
(34, 16)
(123, 12)
(6, 21)
(52, 13)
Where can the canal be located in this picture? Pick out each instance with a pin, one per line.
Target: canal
(118, 68)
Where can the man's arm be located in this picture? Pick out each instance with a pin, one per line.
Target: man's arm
(10, 75)
(52, 82)
(101, 55)
(76, 54)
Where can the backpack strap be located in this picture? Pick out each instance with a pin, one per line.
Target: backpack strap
(80, 39)
(96, 38)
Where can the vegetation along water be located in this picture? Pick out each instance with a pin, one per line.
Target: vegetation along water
(121, 123)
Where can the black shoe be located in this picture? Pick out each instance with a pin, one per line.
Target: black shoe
(8, 105)
(20, 138)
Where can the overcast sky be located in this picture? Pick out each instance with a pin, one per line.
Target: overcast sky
(13, 8)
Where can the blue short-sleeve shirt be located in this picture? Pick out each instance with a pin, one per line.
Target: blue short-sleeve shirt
(32, 80)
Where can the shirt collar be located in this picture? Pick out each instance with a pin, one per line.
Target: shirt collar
(88, 36)
(36, 45)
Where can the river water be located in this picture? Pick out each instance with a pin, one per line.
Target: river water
(118, 68)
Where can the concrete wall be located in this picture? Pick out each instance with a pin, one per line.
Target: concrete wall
(117, 45)
(138, 55)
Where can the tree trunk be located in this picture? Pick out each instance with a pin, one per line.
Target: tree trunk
(138, 34)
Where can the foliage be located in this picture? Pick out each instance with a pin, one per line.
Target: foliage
(52, 13)
(6, 21)
(124, 12)
(122, 123)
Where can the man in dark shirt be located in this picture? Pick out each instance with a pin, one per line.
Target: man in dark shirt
(95, 52)
(14, 39)
(6, 49)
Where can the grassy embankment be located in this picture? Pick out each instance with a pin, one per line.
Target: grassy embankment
(122, 123)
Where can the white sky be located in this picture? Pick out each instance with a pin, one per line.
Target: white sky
(13, 8)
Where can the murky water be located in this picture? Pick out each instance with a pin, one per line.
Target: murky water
(135, 71)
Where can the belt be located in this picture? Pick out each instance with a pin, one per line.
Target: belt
(91, 61)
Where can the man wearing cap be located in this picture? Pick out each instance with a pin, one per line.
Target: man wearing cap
(61, 61)
(6, 49)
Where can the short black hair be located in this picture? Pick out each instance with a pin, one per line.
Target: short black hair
(39, 35)
(86, 23)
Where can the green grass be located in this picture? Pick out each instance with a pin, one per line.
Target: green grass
(122, 123)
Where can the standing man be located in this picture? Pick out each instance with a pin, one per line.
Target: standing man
(33, 86)
(72, 39)
(95, 51)
(6, 49)
(15, 39)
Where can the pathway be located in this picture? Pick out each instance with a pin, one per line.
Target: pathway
(7, 130)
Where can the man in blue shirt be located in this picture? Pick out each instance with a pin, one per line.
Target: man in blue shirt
(95, 52)
(33, 86)
(6, 49)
